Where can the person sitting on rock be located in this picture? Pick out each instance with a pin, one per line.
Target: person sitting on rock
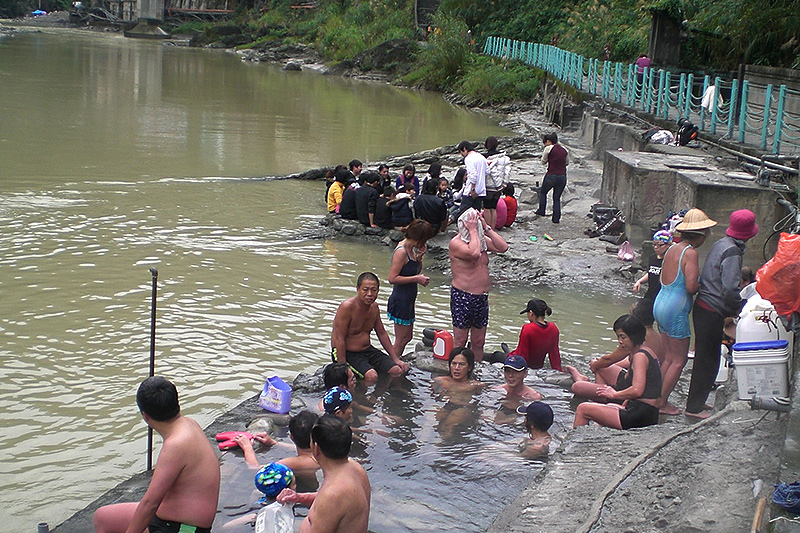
(335, 191)
(347, 209)
(402, 214)
(430, 208)
(637, 390)
(539, 337)
(367, 199)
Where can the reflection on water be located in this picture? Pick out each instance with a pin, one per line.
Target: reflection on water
(422, 479)
(100, 142)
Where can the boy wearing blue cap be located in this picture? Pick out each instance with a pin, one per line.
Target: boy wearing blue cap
(538, 419)
(515, 370)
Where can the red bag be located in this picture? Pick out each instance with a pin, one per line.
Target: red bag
(779, 279)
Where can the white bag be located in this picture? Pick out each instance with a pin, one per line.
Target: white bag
(275, 518)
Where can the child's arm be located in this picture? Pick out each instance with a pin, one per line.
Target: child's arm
(638, 284)
(290, 496)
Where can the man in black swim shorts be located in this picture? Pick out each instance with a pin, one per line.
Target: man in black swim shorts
(355, 319)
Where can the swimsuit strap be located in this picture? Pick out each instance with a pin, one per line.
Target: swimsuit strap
(679, 275)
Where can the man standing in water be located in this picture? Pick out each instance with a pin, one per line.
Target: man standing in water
(354, 321)
(184, 490)
(342, 502)
(469, 293)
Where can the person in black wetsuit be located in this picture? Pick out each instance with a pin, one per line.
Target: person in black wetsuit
(638, 389)
(405, 275)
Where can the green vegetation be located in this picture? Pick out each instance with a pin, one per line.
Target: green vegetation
(20, 8)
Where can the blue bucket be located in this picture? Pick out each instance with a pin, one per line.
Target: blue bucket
(276, 396)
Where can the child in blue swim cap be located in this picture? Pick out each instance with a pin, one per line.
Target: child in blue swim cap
(338, 402)
(272, 478)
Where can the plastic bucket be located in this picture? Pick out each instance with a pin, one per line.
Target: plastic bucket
(276, 396)
(762, 368)
(442, 344)
(758, 321)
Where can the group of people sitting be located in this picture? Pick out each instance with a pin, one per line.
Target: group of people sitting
(377, 201)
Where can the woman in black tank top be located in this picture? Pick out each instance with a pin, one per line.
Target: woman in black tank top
(639, 390)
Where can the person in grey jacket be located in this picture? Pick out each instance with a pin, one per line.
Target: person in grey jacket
(717, 299)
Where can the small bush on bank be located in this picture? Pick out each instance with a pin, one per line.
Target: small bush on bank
(491, 81)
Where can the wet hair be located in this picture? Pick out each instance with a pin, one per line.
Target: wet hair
(508, 190)
(333, 436)
(371, 177)
(491, 143)
(643, 310)
(300, 428)
(632, 327)
(157, 397)
(467, 353)
(552, 137)
(335, 374)
(419, 230)
(430, 186)
(410, 167)
(343, 175)
(388, 191)
(355, 163)
(367, 276)
(458, 181)
(465, 145)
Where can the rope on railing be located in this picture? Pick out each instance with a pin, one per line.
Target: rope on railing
(752, 110)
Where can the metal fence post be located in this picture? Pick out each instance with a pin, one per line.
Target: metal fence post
(668, 94)
(703, 109)
(732, 107)
(743, 110)
(776, 147)
(765, 120)
(714, 106)
(687, 103)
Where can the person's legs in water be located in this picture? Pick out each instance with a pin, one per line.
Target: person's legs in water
(478, 338)
(560, 182)
(676, 354)
(402, 336)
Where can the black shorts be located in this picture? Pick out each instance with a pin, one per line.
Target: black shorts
(491, 200)
(370, 359)
(638, 415)
(162, 526)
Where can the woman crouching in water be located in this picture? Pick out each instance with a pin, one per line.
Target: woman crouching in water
(638, 390)
(458, 387)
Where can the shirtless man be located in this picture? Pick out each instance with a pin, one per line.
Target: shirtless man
(355, 319)
(515, 370)
(184, 490)
(303, 463)
(469, 294)
(342, 503)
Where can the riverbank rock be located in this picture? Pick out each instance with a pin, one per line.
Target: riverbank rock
(394, 57)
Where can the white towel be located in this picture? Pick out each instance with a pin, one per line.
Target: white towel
(469, 214)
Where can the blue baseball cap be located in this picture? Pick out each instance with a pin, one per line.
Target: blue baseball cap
(515, 362)
(336, 398)
(539, 415)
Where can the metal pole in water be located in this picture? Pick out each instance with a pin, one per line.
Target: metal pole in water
(43, 527)
(154, 274)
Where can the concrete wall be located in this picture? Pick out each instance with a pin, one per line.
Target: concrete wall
(647, 186)
(602, 135)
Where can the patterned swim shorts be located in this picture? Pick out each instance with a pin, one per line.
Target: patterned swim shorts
(469, 310)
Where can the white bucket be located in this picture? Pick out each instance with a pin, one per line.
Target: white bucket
(724, 365)
(762, 369)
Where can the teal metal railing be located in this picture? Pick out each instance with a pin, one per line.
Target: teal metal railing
(749, 112)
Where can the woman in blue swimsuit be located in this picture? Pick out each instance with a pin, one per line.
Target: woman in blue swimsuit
(679, 281)
(405, 276)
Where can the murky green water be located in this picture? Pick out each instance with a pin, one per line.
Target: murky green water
(117, 155)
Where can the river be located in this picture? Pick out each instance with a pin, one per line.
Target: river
(119, 155)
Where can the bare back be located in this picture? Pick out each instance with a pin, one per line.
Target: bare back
(192, 495)
(342, 503)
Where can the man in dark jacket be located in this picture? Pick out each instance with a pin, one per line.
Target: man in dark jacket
(347, 209)
(366, 199)
(430, 208)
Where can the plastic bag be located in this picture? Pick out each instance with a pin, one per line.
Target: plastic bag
(625, 252)
(776, 281)
(275, 518)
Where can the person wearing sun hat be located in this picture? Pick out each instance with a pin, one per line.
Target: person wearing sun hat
(679, 274)
(662, 240)
(717, 299)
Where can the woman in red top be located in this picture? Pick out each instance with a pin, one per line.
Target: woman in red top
(539, 337)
